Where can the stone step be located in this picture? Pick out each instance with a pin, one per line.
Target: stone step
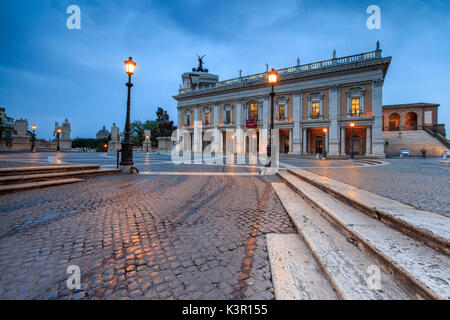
(6, 180)
(431, 228)
(33, 185)
(46, 169)
(421, 270)
(345, 266)
(295, 273)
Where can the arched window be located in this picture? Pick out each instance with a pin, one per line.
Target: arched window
(394, 122)
(411, 121)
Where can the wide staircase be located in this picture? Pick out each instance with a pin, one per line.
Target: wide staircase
(414, 141)
(353, 244)
(24, 178)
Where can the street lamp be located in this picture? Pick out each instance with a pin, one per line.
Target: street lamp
(127, 146)
(352, 156)
(147, 141)
(58, 132)
(33, 137)
(273, 79)
(324, 149)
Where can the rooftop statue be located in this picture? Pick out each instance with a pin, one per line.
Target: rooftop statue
(200, 65)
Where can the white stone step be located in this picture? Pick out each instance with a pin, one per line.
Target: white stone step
(295, 273)
(346, 267)
(423, 271)
(431, 228)
(34, 185)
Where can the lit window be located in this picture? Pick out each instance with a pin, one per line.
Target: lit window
(281, 111)
(253, 112)
(207, 118)
(355, 106)
(315, 109)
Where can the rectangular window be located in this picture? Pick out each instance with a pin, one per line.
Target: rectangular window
(253, 112)
(188, 120)
(355, 107)
(206, 118)
(315, 108)
(281, 112)
(228, 116)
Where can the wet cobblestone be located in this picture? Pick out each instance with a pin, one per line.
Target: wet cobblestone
(141, 237)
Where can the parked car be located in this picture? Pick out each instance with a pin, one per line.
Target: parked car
(405, 153)
(446, 154)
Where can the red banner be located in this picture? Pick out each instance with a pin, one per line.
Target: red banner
(251, 123)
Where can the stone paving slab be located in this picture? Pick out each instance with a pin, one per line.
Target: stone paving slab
(141, 237)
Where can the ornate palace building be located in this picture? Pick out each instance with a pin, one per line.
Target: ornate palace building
(309, 98)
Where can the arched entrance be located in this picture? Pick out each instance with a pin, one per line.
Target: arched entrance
(411, 121)
(317, 144)
(394, 122)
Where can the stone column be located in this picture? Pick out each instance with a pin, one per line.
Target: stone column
(377, 108)
(297, 131)
(368, 141)
(342, 141)
(197, 145)
(216, 115)
(333, 148)
(239, 132)
(263, 136)
(291, 140)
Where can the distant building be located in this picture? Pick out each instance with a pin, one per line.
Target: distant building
(102, 134)
(414, 126)
(6, 125)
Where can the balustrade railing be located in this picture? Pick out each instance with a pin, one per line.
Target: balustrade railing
(291, 70)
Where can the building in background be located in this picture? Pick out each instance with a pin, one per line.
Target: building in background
(414, 126)
(103, 133)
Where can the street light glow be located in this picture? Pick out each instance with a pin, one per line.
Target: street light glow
(352, 124)
(273, 76)
(33, 127)
(325, 130)
(130, 65)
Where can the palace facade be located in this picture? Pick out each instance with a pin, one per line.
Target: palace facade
(309, 98)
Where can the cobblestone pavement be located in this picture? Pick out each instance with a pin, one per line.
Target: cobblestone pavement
(421, 183)
(141, 237)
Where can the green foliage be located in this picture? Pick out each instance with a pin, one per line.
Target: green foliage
(97, 144)
(138, 128)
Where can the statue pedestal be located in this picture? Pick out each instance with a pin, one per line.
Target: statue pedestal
(164, 144)
(21, 144)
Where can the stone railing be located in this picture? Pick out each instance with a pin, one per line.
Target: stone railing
(291, 70)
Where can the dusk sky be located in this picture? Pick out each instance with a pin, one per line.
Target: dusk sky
(49, 73)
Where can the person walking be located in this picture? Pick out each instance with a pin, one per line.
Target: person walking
(424, 153)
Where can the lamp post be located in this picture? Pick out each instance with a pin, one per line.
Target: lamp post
(352, 156)
(324, 149)
(147, 141)
(33, 137)
(127, 146)
(58, 133)
(273, 79)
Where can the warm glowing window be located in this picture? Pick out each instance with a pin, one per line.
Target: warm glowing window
(355, 106)
(188, 119)
(281, 111)
(206, 118)
(253, 111)
(315, 109)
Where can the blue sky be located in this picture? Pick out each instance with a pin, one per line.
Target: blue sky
(49, 73)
